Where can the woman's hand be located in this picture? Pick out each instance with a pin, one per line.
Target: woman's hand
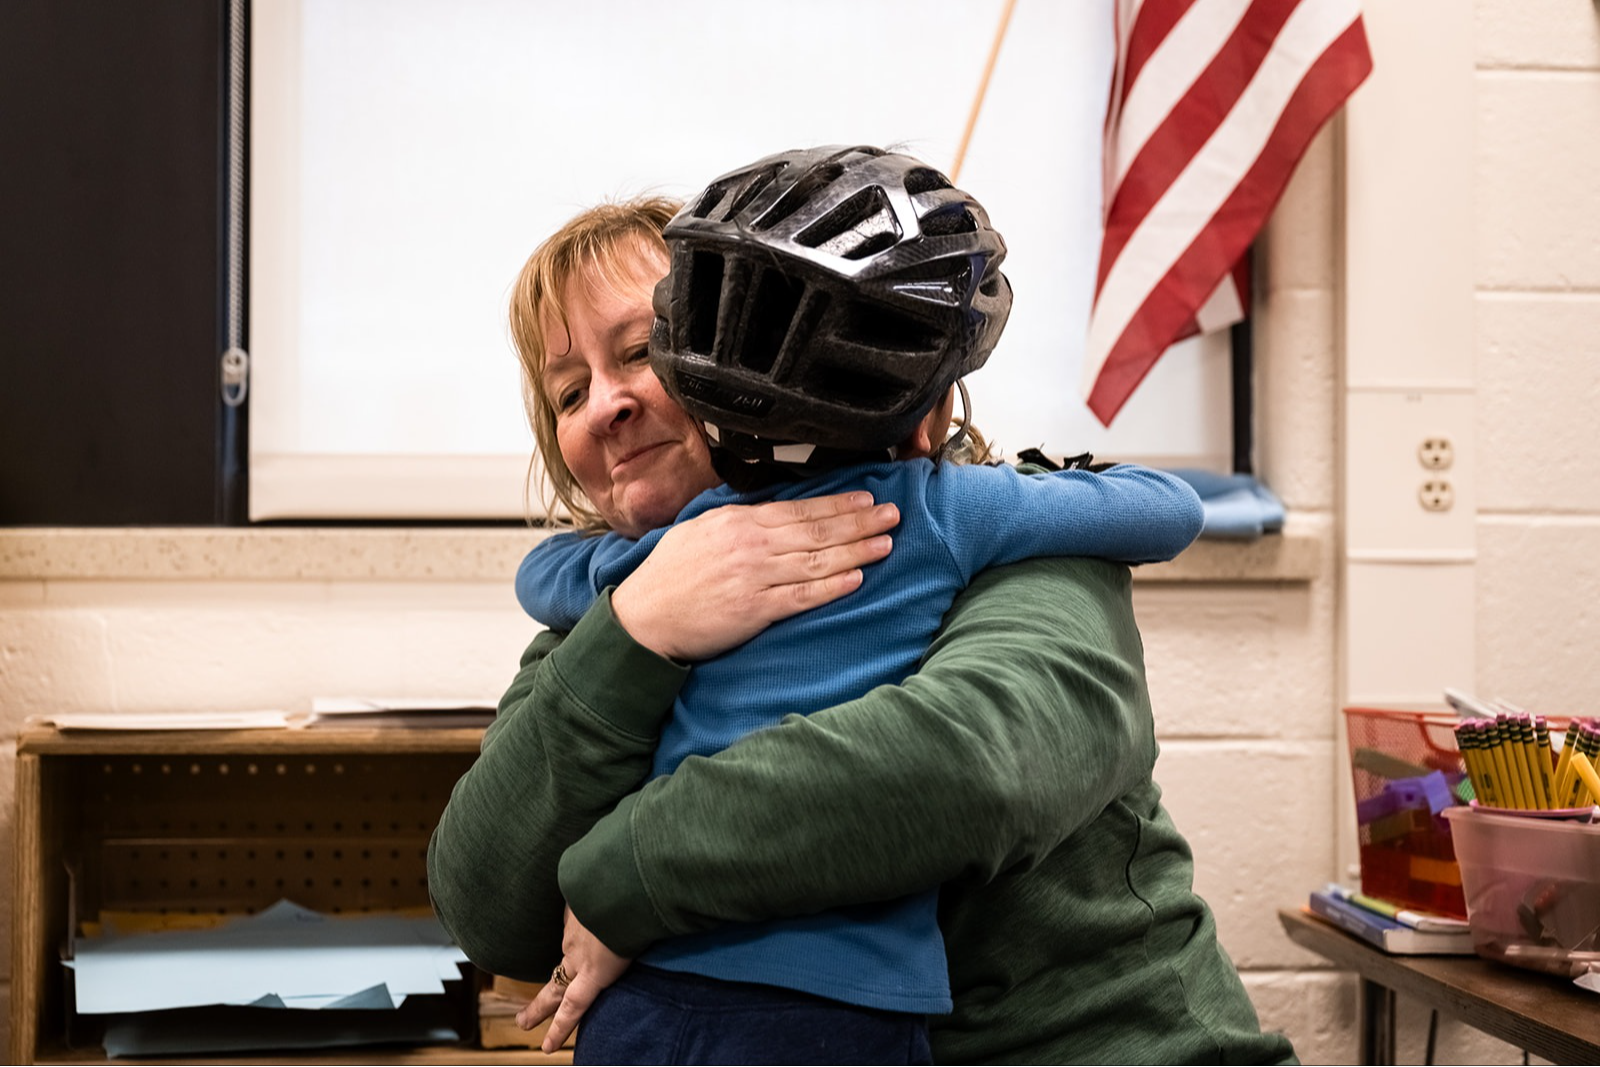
(588, 967)
(716, 581)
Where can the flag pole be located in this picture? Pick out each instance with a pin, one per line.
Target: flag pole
(983, 89)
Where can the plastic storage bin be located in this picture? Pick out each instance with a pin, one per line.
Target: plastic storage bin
(1532, 889)
(1407, 773)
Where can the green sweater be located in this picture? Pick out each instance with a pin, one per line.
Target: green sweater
(1014, 770)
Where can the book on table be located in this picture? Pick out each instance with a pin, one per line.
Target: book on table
(1387, 934)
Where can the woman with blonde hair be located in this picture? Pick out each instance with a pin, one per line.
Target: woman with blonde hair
(1013, 769)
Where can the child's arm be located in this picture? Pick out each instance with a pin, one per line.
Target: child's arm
(995, 515)
(560, 578)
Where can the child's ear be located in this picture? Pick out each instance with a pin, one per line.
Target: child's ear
(919, 443)
(930, 432)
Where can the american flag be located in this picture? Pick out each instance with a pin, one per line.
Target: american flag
(1213, 102)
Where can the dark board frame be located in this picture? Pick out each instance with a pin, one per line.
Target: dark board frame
(113, 124)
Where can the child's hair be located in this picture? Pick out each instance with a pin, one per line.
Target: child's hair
(605, 246)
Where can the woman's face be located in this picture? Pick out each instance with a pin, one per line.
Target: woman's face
(635, 454)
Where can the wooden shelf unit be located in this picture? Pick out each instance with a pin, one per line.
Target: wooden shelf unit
(219, 821)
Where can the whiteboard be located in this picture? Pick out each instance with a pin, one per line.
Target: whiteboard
(408, 156)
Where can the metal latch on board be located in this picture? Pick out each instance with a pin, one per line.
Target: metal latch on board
(235, 376)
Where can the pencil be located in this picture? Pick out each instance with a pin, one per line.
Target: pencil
(1493, 784)
(1574, 785)
(1539, 793)
(1489, 739)
(1588, 748)
(1467, 745)
(1541, 743)
(1586, 772)
(1505, 754)
(1558, 794)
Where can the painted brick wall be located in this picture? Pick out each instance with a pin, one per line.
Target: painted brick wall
(1244, 675)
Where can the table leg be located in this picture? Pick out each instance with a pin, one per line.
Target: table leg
(1377, 1023)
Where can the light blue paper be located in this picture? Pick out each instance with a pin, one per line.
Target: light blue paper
(288, 952)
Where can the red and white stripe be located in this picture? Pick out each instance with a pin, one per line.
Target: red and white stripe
(1213, 102)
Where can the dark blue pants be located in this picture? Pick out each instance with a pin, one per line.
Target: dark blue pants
(657, 1016)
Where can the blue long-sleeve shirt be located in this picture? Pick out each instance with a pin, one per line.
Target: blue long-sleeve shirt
(955, 521)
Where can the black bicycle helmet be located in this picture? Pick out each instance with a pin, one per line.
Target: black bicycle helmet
(825, 297)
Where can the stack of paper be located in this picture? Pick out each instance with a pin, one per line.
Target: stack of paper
(365, 713)
(174, 720)
(285, 978)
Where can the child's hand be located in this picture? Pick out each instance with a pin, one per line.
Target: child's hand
(587, 967)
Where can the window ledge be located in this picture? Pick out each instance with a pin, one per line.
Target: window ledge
(462, 554)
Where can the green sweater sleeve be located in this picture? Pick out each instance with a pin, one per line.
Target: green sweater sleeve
(1028, 716)
(575, 731)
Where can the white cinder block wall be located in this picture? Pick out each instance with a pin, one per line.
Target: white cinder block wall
(1245, 675)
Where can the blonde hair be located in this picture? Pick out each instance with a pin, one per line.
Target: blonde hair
(604, 246)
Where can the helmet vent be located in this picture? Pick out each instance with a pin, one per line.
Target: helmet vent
(880, 329)
(705, 295)
(859, 227)
(926, 180)
(758, 181)
(710, 199)
(799, 194)
(944, 223)
(772, 311)
(857, 387)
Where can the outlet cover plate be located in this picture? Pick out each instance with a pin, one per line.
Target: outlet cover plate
(1383, 480)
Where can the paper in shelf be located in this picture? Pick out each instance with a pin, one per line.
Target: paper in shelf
(285, 978)
(363, 713)
(173, 720)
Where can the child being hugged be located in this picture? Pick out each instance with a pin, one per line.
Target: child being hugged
(821, 307)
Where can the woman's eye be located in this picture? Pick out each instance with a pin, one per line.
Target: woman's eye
(642, 352)
(568, 399)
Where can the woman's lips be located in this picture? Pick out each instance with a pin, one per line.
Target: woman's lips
(627, 460)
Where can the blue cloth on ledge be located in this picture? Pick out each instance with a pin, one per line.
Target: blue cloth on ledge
(1236, 506)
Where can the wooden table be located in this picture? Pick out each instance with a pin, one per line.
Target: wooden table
(1546, 1015)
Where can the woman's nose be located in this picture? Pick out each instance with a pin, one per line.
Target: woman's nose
(612, 401)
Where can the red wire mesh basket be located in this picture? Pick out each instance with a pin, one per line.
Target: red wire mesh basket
(1407, 772)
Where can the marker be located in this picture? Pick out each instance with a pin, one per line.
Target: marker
(1467, 706)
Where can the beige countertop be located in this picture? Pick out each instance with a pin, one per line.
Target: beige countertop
(467, 553)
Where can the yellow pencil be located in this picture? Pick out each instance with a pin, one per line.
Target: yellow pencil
(1558, 794)
(1493, 782)
(1541, 749)
(1530, 753)
(1506, 757)
(1490, 739)
(1585, 771)
(1467, 745)
(1569, 793)
(1588, 748)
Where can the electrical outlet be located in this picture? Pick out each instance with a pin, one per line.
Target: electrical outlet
(1436, 495)
(1436, 453)
(1396, 499)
